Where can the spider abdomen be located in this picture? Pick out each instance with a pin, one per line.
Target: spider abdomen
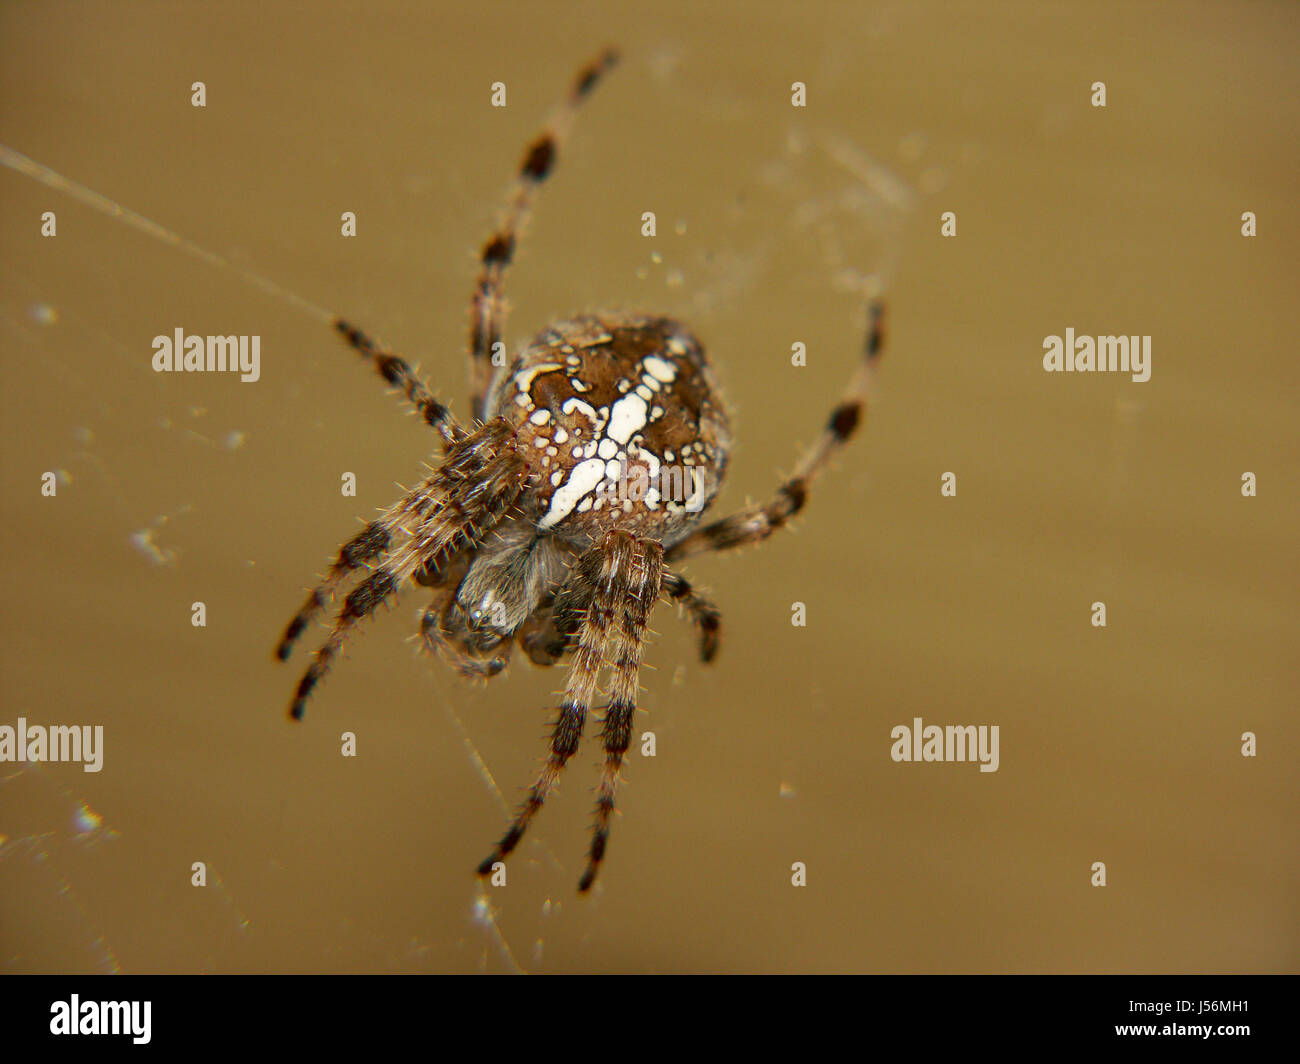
(620, 422)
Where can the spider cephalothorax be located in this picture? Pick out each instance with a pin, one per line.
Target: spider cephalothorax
(551, 520)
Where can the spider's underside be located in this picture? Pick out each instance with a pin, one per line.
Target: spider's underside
(551, 520)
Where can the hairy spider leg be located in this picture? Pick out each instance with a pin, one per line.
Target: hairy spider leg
(703, 613)
(488, 306)
(756, 523)
(399, 374)
(620, 579)
(451, 518)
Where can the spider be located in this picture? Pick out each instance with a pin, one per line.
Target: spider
(528, 530)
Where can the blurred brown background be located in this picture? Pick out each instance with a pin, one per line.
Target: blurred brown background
(1119, 745)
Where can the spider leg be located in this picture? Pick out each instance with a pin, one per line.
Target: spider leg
(378, 536)
(616, 576)
(451, 520)
(488, 308)
(644, 563)
(367, 545)
(704, 613)
(758, 522)
(397, 373)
